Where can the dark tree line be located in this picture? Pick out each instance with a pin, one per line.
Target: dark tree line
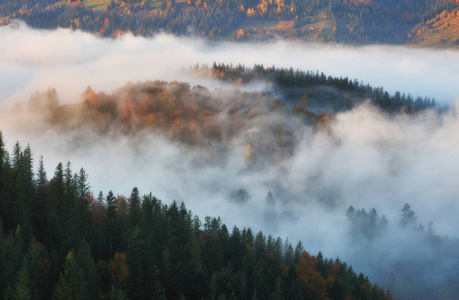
(321, 91)
(57, 241)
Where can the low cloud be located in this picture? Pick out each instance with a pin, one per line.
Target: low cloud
(71, 60)
(362, 158)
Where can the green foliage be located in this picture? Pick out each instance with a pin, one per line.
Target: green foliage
(72, 283)
(145, 249)
(21, 289)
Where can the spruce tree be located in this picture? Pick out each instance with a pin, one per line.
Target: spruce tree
(72, 284)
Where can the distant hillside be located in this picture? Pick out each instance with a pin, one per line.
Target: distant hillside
(440, 31)
(418, 22)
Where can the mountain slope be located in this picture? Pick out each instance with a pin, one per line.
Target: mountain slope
(342, 21)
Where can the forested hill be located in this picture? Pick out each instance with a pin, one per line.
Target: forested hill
(316, 91)
(58, 241)
(423, 22)
(196, 116)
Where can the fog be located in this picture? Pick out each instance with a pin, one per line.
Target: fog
(72, 60)
(362, 158)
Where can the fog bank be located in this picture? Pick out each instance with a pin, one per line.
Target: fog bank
(71, 60)
(361, 158)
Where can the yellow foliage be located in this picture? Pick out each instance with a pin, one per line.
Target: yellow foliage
(18, 230)
(69, 256)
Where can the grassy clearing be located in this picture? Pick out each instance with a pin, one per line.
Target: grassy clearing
(155, 4)
(96, 4)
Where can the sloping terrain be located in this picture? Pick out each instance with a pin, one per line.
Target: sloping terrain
(423, 23)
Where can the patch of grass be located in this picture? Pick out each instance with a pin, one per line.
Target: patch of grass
(156, 4)
(96, 4)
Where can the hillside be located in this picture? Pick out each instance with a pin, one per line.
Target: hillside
(196, 116)
(440, 31)
(346, 22)
(59, 241)
(285, 159)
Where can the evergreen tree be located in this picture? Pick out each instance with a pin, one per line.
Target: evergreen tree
(72, 284)
(38, 206)
(134, 207)
(111, 224)
(84, 259)
(408, 218)
(21, 287)
(298, 250)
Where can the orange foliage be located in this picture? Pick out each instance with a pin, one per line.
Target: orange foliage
(240, 33)
(250, 12)
(119, 269)
(263, 7)
(192, 116)
(310, 276)
(75, 3)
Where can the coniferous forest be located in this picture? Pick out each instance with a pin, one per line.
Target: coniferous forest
(59, 241)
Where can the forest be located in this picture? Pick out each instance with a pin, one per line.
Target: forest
(316, 91)
(427, 22)
(213, 120)
(59, 241)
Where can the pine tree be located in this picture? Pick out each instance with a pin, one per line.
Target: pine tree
(408, 218)
(277, 292)
(111, 223)
(134, 207)
(85, 261)
(298, 250)
(38, 206)
(71, 284)
(21, 287)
